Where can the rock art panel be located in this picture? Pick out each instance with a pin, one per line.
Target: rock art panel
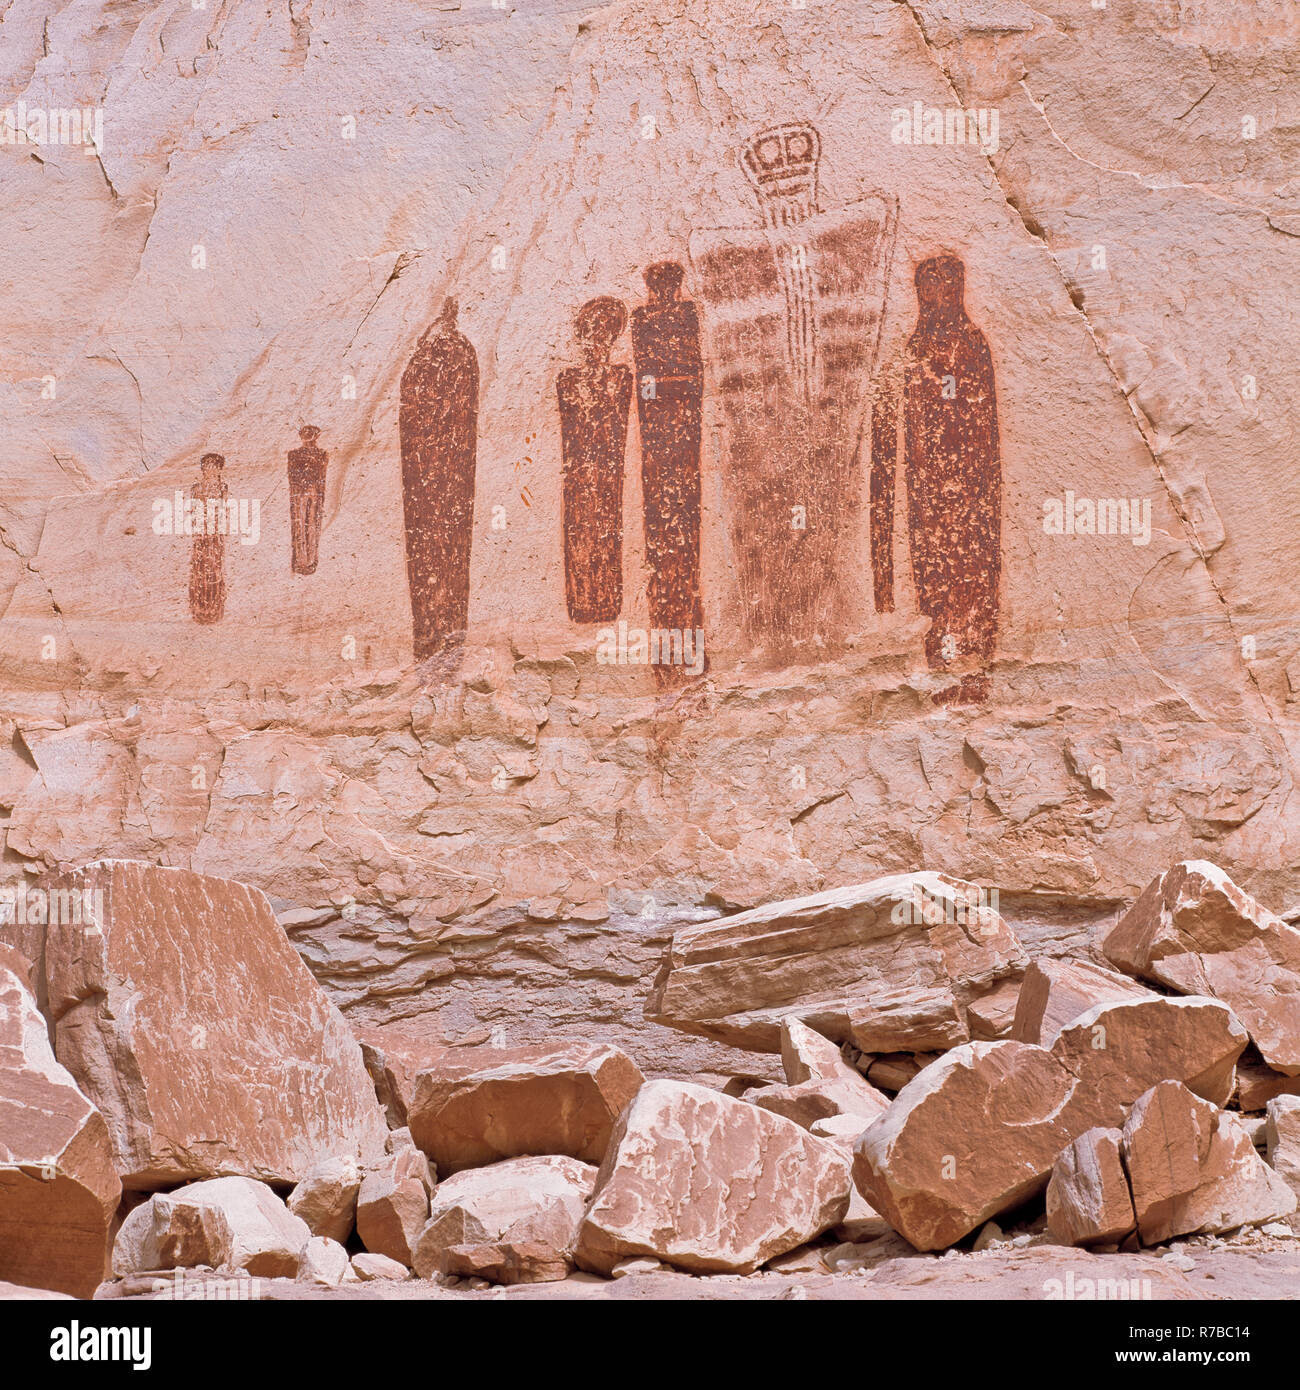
(594, 399)
(438, 428)
(669, 400)
(793, 313)
(307, 466)
(208, 549)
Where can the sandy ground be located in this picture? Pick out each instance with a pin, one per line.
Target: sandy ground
(1250, 1265)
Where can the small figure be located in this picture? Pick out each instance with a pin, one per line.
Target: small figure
(208, 551)
(307, 466)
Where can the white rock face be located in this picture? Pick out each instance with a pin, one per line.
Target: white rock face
(277, 208)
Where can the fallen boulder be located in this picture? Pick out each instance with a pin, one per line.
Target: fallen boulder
(535, 1202)
(325, 1262)
(58, 1189)
(978, 1132)
(1192, 1168)
(393, 1200)
(1194, 930)
(508, 1262)
(223, 1223)
(1056, 992)
(326, 1198)
(1282, 1139)
(1088, 1199)
(891, 966)
(186, 1016)
(478, 1105)
(709, 1184)
(367, 1266)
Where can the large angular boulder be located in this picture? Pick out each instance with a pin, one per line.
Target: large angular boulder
(1088, 1199)
(891, 966)
(1055, 992)
(1282, 1138)
(326, 1198)
(224, 1223)
(189, 1020)
(501, 1219)
(394, 1057)
(393, 1204)
(977, 1132)
(478, 1105)
(58, 1189)
(1192, 1167)
(709, 1184)
(1194, 930)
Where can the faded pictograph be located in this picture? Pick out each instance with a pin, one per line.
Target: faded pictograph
(307, 466)
(594, 400)
(793, 312)
(669, 396)
(208, 548)
(953, 476)
(438, 427)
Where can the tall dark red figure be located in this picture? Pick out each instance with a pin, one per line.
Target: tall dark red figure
(438, 427)
(669, 398)
(954, 479)
(594, 401)
(208, 550)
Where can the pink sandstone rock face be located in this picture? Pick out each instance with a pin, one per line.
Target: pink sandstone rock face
(707, 1183)
(477, 1105)
(1195, 931)
(326, 1199)
(977, 1132)
(192, 1023)
(1088, 1198)
(58, 1190)
(889, 966)
(1192, 1167)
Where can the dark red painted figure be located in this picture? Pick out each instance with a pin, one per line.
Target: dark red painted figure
(884, 465)
(954, 480)
(669, 398)
(307, 466)
(594, 401)
(438, 427)
(208, 551)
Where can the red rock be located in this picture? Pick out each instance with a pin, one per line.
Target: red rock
(522, 1262)
(326, 1199)
(1056, 992)
(1257, 1085)
(707, 1183)
(393, 1201)
(479, 1105)
(1192, 1168)
(224, 1223)
(991, 1016)
(367, 1266)
(535, 1202)
(394, 1057)
(890, 966)
(191, 1022)
(1282, 1140)
(58, 1190)
(977, 1132)
(1194, 930)
(325, 1262)
(1088, 1201)
(816, 1100)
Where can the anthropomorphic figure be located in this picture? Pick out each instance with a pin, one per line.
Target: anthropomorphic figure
(594, 398)
(953, 473)
(438, 429)
(307, 465)
(669, 400)
(208, 549)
